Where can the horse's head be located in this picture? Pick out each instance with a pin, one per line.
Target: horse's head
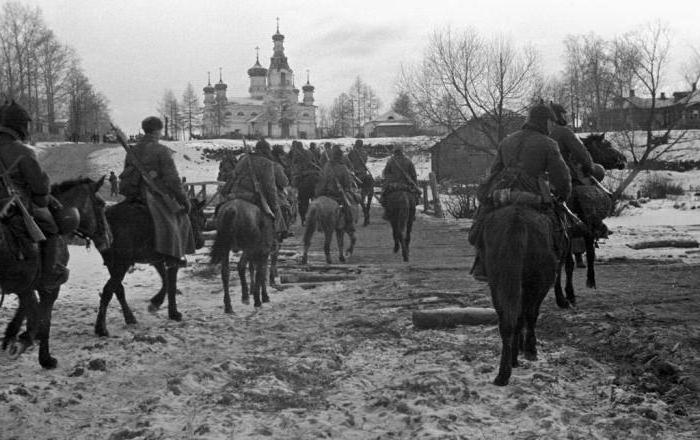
(82, 194)
(198, 221)
(603, 152)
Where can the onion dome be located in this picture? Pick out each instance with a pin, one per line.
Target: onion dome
(308, 87)
(257, 70)
(208, 88)
(220, 85)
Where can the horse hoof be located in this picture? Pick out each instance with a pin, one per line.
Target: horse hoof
(530, 356)
(341, 259)
(175, 316)
(500, 381)
(228, 310)
(245, 301)
(15, 349)
(131, 321)
(257, 304)
(396, 249)
(590, 284)
(101, 332)
(152, 308)
(178, 292)
(48, 364)
(562, 304)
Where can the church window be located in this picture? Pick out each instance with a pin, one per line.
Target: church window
(391, 118)
(228, 114)
(253, 114)
(283, 80)
(241, 114)
(305, 114)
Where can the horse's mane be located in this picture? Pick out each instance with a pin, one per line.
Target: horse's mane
(66, 185)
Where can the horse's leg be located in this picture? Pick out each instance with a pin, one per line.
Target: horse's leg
(518, 341)
(562, 303)
(47, 298)
(14, 326)
(569, 288)
(579, 260)
(116, 276)
(30, 310)
(403, 226)
(327, 245)
(274, 255)
(262, 279)
(506, 328)
(409, 229)
(339, 236)
(395, 232)
(303, 198)
(129, 317)
(353, 240)
(256, 273)
(159, 297)
(590, 261)
(242, 267)
(171, 268)
(225, 276)
(366, 204)
(308, 233)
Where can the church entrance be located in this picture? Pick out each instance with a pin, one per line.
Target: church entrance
(285, 128)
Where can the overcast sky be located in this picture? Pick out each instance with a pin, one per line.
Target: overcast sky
(132, 50)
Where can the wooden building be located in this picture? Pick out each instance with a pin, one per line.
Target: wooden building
(465, 155)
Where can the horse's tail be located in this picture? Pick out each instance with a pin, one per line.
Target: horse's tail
(507, 265)
(224, 236)
(310, 223)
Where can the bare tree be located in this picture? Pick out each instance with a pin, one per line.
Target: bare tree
(191, 112)
(464, 77)
(646, 50)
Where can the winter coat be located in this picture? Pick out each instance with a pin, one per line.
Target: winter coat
(538, 154)
(28, 178)
(358, 160)
(156, 159)
(334, 177)
(242, 186)
(393, 174)
(303, 164)
(572, 149)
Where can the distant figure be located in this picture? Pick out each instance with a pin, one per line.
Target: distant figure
(114, 184)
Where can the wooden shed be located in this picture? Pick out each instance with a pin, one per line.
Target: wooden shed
(465, 155)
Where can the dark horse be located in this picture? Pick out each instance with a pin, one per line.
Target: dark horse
(603, 153)
(365, 183)
(307, 187)
(520, 263)
(26, 274)
(401, 212)
(242, 226)
(325, 216)
(133, 229)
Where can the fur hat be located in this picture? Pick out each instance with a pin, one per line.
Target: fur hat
(558, 111)
(14, 120)
(358, 143)
(538, 116)
(263, 147)
(336, 153)
(151, 124)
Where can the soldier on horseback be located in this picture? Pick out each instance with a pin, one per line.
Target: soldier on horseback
(337, 183)
(173, 230)
(255, 181)
(24, 177)
(527, 166)
(399, 175)
(577, 157)
(357, 158)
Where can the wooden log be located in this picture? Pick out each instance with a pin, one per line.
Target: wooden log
(436, 195)
(677, 243)
(454, 316)
(304, 286)
(313, 278)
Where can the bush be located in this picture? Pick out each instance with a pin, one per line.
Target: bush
(658, 187)
(461, 205)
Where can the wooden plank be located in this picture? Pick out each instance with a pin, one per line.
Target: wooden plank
(313, 278)
(454, 316)
(677, 243)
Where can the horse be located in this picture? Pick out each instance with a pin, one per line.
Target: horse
(366, 186)
(520, 264)
(603, 153)
(134, 235)
(401, 213)
(305, 190)
(325, 215)
(81, 194)
(292, 201)
(242, 226)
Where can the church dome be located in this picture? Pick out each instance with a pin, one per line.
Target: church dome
(308, 88)
(220, 85)
(208, 89)
(257, 70)
(278, 36)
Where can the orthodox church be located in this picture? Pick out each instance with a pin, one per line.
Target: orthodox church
(272, 109)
